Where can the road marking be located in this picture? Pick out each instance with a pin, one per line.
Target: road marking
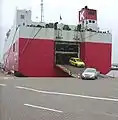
(6, 77)
(44, 108)
(67, 94)
(3, 85)
(115, 89)
(110, 114)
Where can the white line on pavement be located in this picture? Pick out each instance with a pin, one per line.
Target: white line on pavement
(44, 108)
(3, 85)
(6, 77)
(67, 94)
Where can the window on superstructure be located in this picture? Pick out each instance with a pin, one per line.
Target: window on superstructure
(23, 24)
(93, 21)
(89, 21)
(14, 47)
(22, 16)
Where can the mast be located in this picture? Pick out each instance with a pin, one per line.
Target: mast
(42, 15)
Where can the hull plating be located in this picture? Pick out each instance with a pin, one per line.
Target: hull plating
(37, 57)
(97, 55)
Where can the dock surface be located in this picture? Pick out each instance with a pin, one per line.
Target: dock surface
(58, 99)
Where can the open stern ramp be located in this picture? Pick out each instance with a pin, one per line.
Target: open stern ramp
(71, 70)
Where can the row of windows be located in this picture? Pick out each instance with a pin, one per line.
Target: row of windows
(90, 21)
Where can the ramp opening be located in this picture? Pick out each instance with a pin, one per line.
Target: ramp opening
(64, 51)
(63, 59)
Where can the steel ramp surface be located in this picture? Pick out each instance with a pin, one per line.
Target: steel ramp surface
(71, 70)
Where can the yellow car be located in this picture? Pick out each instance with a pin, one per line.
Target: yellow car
(76, 62)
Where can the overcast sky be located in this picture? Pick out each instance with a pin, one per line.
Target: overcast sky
(107, 14)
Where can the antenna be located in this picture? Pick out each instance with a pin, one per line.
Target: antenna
(42, 16)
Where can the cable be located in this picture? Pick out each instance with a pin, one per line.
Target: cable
(87, 36)
(30, 40)
(83, 38)
(37, 33)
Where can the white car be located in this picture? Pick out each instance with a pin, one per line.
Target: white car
(90, 73)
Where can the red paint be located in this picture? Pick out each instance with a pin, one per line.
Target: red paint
(85, 14)
(97, 55)
(38, 58)
(92, 16)
(10, 59)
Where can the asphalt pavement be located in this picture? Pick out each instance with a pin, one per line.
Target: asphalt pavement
(58, 99)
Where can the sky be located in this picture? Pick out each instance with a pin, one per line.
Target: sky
(107, 15)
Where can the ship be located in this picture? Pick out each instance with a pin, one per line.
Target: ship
(40, 49)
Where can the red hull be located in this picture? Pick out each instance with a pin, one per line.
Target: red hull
(97, 55)
(36, 58)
